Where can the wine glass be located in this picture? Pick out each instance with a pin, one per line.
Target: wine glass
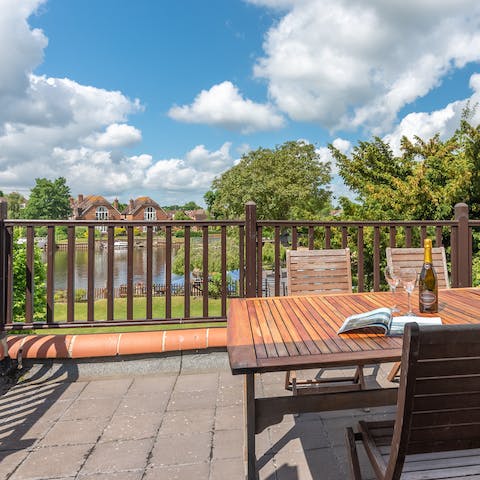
(393, 280)
(408, 277)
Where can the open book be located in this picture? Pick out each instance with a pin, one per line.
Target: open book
(381, 320)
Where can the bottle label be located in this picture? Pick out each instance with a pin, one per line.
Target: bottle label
(427, 298)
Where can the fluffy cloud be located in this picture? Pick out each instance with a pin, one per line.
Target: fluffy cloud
(443, 121)
(224, 106)
(115, 136)
(193, 173)
(201, 159)
(347, 64)
(28, 43)
(111, 175)
(52, 127)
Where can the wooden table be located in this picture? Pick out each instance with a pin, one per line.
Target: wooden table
(291, 333)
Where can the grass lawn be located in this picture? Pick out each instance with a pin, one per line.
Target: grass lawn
(139, 309)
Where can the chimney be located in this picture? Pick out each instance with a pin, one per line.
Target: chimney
(131, 205)
(115, 204)
(80, 198)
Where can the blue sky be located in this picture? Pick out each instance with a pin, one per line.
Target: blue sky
(158, 97)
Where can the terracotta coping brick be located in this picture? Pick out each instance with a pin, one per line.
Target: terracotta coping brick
(94, 345)
(112, 344)
(40, 346)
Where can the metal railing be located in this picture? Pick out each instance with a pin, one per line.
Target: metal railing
(255, 247)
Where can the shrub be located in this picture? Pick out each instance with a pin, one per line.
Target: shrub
(20, 283)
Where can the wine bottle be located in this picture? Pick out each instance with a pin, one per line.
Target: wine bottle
(428, 283)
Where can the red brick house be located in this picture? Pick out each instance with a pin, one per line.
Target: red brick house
(94, 207)
(144, 208)
(197, 215)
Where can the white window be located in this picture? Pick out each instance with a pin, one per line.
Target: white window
(101, 213)
(150, 214)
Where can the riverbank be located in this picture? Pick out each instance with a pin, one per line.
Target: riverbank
(120, 243)
(139, 308)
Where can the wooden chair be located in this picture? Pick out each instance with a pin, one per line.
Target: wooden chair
(320, 271)
(413, 258)
(436, 432)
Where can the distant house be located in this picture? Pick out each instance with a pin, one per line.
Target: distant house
(94, 207)
(144, 208)
(198, 215)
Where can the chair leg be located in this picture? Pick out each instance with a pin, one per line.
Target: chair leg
(294, 383)
(394, 371)
(359, 377)
(352, 454)
(290, 379)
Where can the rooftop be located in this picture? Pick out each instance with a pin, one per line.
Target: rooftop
(160, 417)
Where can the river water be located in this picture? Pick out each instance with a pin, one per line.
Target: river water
(119, 267)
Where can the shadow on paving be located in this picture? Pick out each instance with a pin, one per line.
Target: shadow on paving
(21, 408)
(320, 459)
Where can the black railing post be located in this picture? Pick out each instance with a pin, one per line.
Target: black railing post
(462, 259)
(3, 276)
(251, 249)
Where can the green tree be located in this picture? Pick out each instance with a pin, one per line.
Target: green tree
(468, 138)
(287, 182)
(49, 200)
(20, 282)
(181, 215)
(424, 182)
(16, 203)
(190, 206)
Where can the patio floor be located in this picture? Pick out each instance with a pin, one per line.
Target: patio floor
(172, 425)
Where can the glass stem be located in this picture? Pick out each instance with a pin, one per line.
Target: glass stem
(409, 305)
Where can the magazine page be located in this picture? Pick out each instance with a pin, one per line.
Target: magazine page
(398, 323)
(378, 318)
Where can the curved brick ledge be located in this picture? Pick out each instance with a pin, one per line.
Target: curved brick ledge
(112, 344)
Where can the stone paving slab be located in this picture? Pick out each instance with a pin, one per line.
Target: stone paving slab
(180, 424)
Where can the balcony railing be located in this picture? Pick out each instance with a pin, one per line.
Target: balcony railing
(253, 248)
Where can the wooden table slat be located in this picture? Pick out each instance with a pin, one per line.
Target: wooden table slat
(275, 331)
(300, 326)
(256, 332)
(267, 338)
(291, 327)
(282, 329)
(239, 336)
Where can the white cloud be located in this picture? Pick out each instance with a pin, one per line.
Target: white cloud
(224, 106)
(343, 145)
(24, 53)
(105, 173)
(201, 159)
(443, 121)
(355, 64)
(115, 136)
(51, 127)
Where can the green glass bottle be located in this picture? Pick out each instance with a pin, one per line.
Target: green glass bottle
(428, 282)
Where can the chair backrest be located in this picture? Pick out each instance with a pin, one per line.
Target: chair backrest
(438, 407)
(413, 257)
(318, 271)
